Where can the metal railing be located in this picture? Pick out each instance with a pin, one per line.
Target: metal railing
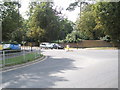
(13, 57)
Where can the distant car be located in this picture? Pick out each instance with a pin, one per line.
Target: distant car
(46, 45)
(57, 46)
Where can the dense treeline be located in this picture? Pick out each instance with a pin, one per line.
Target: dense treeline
(99, 21)
(96, 21)
(44, 23)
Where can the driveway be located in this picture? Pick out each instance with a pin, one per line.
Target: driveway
(73, 69)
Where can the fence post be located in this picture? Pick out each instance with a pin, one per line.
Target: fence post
(39, 51)
(35, 53)
(24, 56)
(3, 59)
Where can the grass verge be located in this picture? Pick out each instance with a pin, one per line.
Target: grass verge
(21, 59)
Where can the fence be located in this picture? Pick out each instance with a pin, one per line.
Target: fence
(89, 44)
(12, 57)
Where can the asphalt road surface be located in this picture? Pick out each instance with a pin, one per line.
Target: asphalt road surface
(72, 69)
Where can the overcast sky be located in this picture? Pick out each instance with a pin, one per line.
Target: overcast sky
(60, 3)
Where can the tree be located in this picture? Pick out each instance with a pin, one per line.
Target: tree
(46, 23)
(43, 22)
(75, 4)
(108, 18)
(11, 19)
(66, 27)
(87, 24)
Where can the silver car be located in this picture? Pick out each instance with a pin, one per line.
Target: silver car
(46, 45)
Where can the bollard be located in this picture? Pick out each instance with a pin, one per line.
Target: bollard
(68, 47)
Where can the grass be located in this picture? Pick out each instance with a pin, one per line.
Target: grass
(103, 48)
(98, 48)
(21, 59)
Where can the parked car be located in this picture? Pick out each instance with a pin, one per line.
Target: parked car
(11, 46)
(57, 46)
(46, 45)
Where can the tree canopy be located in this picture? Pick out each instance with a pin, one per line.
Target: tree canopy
(45, 23)
(108, 19)
(100, 20)
(11, 19)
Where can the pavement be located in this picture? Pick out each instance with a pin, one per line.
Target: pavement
(67, 69)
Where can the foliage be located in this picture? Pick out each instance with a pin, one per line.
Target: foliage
(17, 35)
(106, 38)
(45, 23)
(11, 19)
(40, 20)
(66, 27)
(99, 21)
(75, 4)
(87, 24)
(108, 18)
(73, 37)
(10, 42)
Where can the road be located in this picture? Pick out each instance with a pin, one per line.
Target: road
(73, 69)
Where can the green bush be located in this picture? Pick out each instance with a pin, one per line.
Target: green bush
(106, 38)
(73, 37)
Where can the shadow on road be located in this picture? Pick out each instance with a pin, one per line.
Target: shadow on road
(40, 75)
